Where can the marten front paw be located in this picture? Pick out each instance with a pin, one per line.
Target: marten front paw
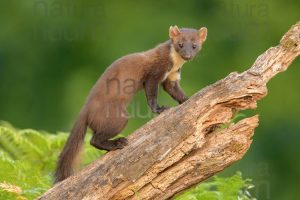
(121, 142)
(161, 109)
(183, 100)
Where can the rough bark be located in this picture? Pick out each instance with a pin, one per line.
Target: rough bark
(184, 145)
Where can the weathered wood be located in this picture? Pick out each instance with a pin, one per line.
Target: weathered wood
(182, 146)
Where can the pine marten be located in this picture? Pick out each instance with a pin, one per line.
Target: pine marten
(105, 109)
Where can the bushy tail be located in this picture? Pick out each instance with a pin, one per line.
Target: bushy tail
(71, 149)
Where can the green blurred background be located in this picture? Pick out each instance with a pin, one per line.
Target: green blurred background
(52, 52)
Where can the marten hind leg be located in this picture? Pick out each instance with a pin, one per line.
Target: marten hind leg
(108, 145)
(102, 139)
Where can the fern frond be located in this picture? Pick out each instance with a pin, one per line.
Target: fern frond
(8, 141)
(36, 138)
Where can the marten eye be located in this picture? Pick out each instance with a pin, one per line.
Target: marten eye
(180, 45)
(194, 46)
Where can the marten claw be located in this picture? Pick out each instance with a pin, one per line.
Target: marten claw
(183, 100)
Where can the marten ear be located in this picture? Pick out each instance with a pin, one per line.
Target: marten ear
(202, 34)
(174, 31)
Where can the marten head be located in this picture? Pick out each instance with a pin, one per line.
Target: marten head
(187, 42)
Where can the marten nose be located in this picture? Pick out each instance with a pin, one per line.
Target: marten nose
(187, 57)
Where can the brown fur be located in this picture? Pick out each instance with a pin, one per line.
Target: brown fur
(105, 109)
